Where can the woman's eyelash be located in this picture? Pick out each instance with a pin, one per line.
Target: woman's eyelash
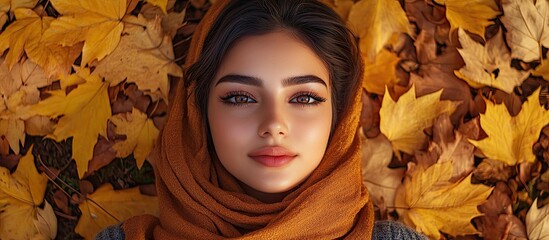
(309, 96)
(237, 98)
(240, 98)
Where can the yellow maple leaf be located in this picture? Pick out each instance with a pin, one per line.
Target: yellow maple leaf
(84, 113)
(542, 70)
(473, 16)
(76, 78)
(20, 34)
(144, 56)
(381, 72)
(489, 65)
(96, 22)
(403, 122)
(510, 139)
(526, 23)
(375, 22)
(427, 193)
(141, 135)
(160, 4)
(10, 5)
(342, 7)
(56, 60)
(19, 89)
(25, 35)
(107, 207)
(20, 195)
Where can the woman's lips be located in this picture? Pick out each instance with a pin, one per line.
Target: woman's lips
(272, 156)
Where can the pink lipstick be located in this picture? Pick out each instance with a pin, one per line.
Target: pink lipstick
(273, 156)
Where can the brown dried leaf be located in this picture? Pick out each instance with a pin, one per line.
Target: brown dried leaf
(9, 161)
(138, 98)
(511, 101)
(4, 146)
(61, 201)
(86, 187)
(103, 154)
(527, 171)
(369, 117)
(380, 180)
(499, 201)
(452, 147)
(171, 21)
(121, 105)
(148, 189)
(493, 171)
(498, 221)
(423, 14)
(39, 126)
(437, 72)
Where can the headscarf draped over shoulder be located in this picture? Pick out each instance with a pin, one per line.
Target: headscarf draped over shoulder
(199, 199)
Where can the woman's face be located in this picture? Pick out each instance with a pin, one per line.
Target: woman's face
(270, 111)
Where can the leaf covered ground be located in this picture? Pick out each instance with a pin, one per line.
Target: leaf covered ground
(455, 120)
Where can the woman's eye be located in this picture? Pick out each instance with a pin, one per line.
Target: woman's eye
(237, 99)
(242, 99)
(304, 99)
(307, 99)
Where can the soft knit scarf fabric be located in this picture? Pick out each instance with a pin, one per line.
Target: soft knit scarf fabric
(199, 199)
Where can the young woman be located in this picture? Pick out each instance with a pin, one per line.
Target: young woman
(262, 137)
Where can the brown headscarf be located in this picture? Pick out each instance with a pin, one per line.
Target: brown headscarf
(199, 199)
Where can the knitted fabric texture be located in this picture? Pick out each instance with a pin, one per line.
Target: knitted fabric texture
(383, 230)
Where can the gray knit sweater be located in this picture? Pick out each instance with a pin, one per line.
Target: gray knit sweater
(383, 230)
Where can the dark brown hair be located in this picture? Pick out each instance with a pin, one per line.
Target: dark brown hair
(312, 22)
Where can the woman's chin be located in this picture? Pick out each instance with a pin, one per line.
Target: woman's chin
(269, 193)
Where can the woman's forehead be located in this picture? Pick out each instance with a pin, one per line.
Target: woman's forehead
(273, 55)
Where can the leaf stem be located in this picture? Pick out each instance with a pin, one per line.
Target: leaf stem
(377, 184)
(182, 41)
(77, 192)
(45, 6)
(65, 215)
(125, 21)
(53, 180)
(154, 109)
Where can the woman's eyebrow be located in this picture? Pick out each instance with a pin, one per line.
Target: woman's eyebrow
(235, 78)
(254, 81)
(302, 80)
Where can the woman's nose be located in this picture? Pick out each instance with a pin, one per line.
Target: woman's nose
(273, 122)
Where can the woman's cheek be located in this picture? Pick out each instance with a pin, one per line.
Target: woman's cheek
(234, 127)
(312, 126)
